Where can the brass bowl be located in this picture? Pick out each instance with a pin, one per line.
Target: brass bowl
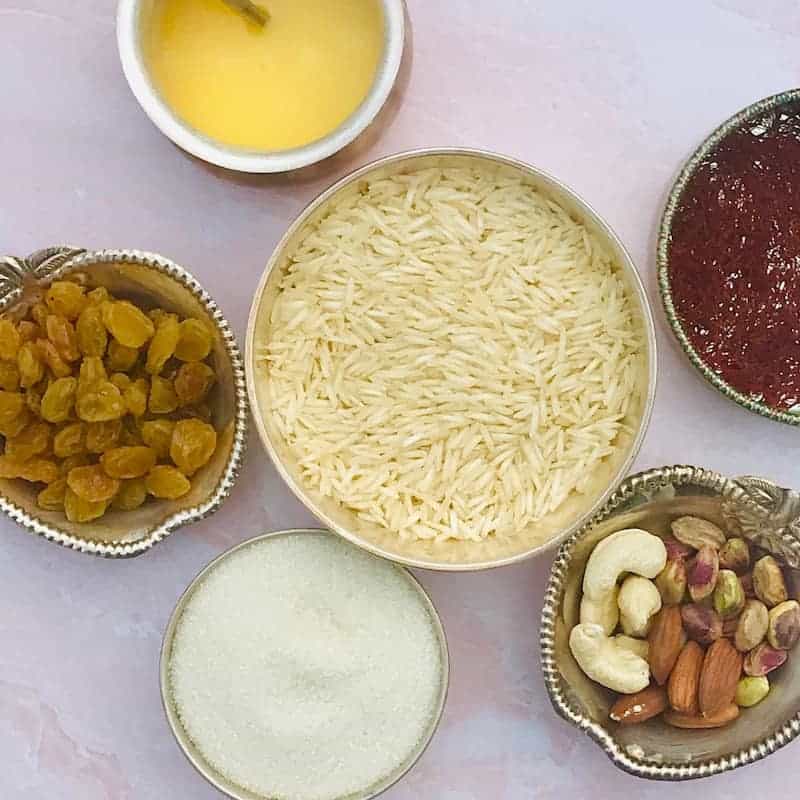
(193, 754)
(152, 279)
(451, 555)
(757, 509)
(758, 109)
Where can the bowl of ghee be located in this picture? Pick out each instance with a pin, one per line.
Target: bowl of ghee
(261, 99)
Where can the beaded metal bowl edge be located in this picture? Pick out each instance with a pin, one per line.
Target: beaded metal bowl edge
(664, 240)
(52, 263)
(769, 516)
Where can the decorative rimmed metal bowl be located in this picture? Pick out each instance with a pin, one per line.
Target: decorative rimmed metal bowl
(193, 754)
(130, 22)
(152, 280)
(752, 112)
(450, 555)
(769, 517)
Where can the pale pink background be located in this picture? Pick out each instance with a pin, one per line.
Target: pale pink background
(610, 97)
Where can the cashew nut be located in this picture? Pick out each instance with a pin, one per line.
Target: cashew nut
(603, 612)
(639, 647)
(604, 661)
(629, 550)
(638, 600)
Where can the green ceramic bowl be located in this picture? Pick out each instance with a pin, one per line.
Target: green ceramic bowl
(663, 253)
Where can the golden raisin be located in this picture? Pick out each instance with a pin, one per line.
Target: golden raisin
(193, 443)
(157, 434)
(194, 343)
(91, 483)
(70, 440)
(33, 398)
(28, 331)
(15, 425)
(39, 313)
(120, 358)
(167, 482)
(100, 402)
(136, 397)
(158, 315)
(52, 358)
(92, 334)
(62, 334)
(131, 495)
(79, 510)
(163, 399)
(30, 363)
(11, 405)
(51, 498)
(92, 372)
(10, 340)
(9, 376)
(128, 462)
(162, 345)
(120, 380)
(102, 436)
(36, 470)
(32, 441)
(59, 400)
(70, 462)
(128, 324)
(193, 382)
(97, 296)
(66, 299)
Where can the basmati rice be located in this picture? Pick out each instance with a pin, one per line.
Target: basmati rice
(451, 355)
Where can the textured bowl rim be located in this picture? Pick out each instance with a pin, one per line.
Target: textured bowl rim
(80, 259)
(227, 786)
(254, 161)
(686, 173)
(559, 694)
(637, 287)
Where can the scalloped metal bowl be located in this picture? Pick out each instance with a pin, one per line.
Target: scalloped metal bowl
(759, 510)
(150, 278)
(662, 256)
(450, 555)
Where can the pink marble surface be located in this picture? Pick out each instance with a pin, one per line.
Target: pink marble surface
(608, 96)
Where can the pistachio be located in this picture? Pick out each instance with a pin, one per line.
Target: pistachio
(671, 581)
(703, 573)
(697, 533)
(677, 551)
(728, 595)
(735, 555)
(752, 690)
(763, 659)
(701, 624)
(784, 625)
(752, 626)
(768, 582)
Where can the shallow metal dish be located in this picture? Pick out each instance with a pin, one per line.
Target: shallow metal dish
(150, 278)
(449, 555)
(196, 758)
(665, 238)
(768, 516)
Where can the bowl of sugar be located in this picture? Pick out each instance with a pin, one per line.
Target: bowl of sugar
(296, 665)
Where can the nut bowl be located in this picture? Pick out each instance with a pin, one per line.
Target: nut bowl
(754, 508)
(450, 555)
(152, 280)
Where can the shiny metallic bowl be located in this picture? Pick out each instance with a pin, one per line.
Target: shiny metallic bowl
(757, 509)
(451, 555)
(195, 757)
(154, 279)
(753, 111)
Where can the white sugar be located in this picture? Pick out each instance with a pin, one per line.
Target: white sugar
(305, 669)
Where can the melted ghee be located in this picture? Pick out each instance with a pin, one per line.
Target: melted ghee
(272, 88)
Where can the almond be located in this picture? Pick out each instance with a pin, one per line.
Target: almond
(723, 716)
(632, 708)
(722, 668)
(684, 680)
(666, 640)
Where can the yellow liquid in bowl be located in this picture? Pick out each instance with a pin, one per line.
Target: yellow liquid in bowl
(273, 88)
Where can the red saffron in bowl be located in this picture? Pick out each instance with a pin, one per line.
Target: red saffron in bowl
(734, 258)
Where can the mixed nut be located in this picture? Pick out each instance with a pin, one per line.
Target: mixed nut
(703, 619)
(103, 403)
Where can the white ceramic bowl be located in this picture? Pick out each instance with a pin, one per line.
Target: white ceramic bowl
(129, 17)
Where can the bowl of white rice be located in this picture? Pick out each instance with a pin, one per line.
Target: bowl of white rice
(451, 359)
